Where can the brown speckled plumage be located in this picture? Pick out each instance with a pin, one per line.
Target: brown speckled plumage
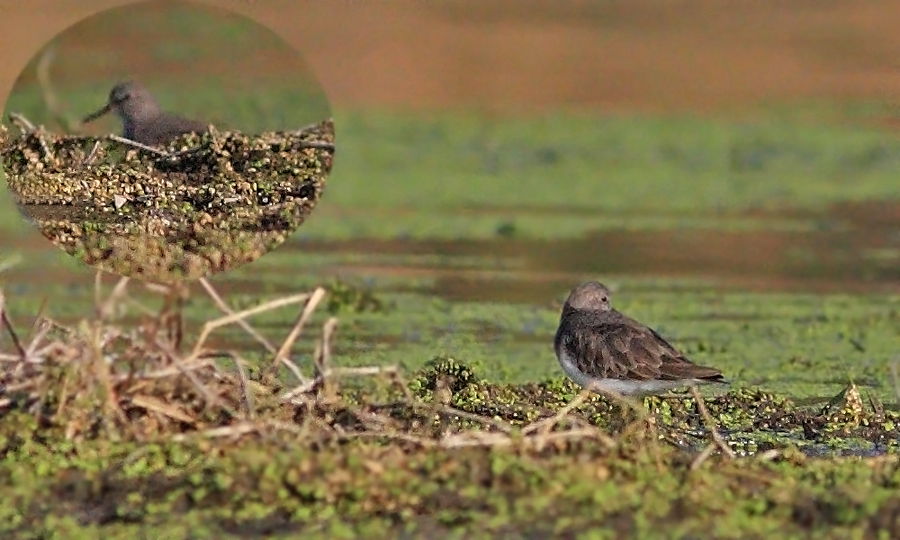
(614, 350)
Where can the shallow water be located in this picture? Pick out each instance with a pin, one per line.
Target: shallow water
(850, 248)
(828, 315)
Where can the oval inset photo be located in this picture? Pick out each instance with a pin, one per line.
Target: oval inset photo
(167, 140)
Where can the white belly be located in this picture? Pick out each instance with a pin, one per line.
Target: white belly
(625, 387)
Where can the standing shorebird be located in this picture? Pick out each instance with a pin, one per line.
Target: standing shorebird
(600, 347)
(142, 119)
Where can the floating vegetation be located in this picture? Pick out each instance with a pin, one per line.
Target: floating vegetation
(107, 427)
(201, 205)
(345, 297)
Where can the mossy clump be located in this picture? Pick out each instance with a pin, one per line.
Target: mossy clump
(201, 205)
(108, 430)
(346, 298)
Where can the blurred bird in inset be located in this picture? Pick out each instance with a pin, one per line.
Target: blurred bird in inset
(143, 120)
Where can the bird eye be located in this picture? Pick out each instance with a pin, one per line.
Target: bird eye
(604, 299)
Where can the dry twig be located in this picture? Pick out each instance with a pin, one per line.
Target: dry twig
(42, 73)
(718, 441)
(281, 356)
(4, 317)
(210, 326)
(26, 127)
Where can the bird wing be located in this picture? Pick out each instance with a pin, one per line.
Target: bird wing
(615, 346)
(676, 366)
(168, 127)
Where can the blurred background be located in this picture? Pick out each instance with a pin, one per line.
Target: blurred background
(199, 60)
(502, 151)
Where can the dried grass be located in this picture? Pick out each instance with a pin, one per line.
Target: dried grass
(102, 379)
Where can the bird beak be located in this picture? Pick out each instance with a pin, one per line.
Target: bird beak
(96, 115)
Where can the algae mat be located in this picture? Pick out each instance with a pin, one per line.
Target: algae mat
(153, 432)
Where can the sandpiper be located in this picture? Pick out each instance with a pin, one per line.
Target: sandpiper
(142, 119)
(599, 347)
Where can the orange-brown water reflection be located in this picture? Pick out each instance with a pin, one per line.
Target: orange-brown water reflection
(854, 248)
